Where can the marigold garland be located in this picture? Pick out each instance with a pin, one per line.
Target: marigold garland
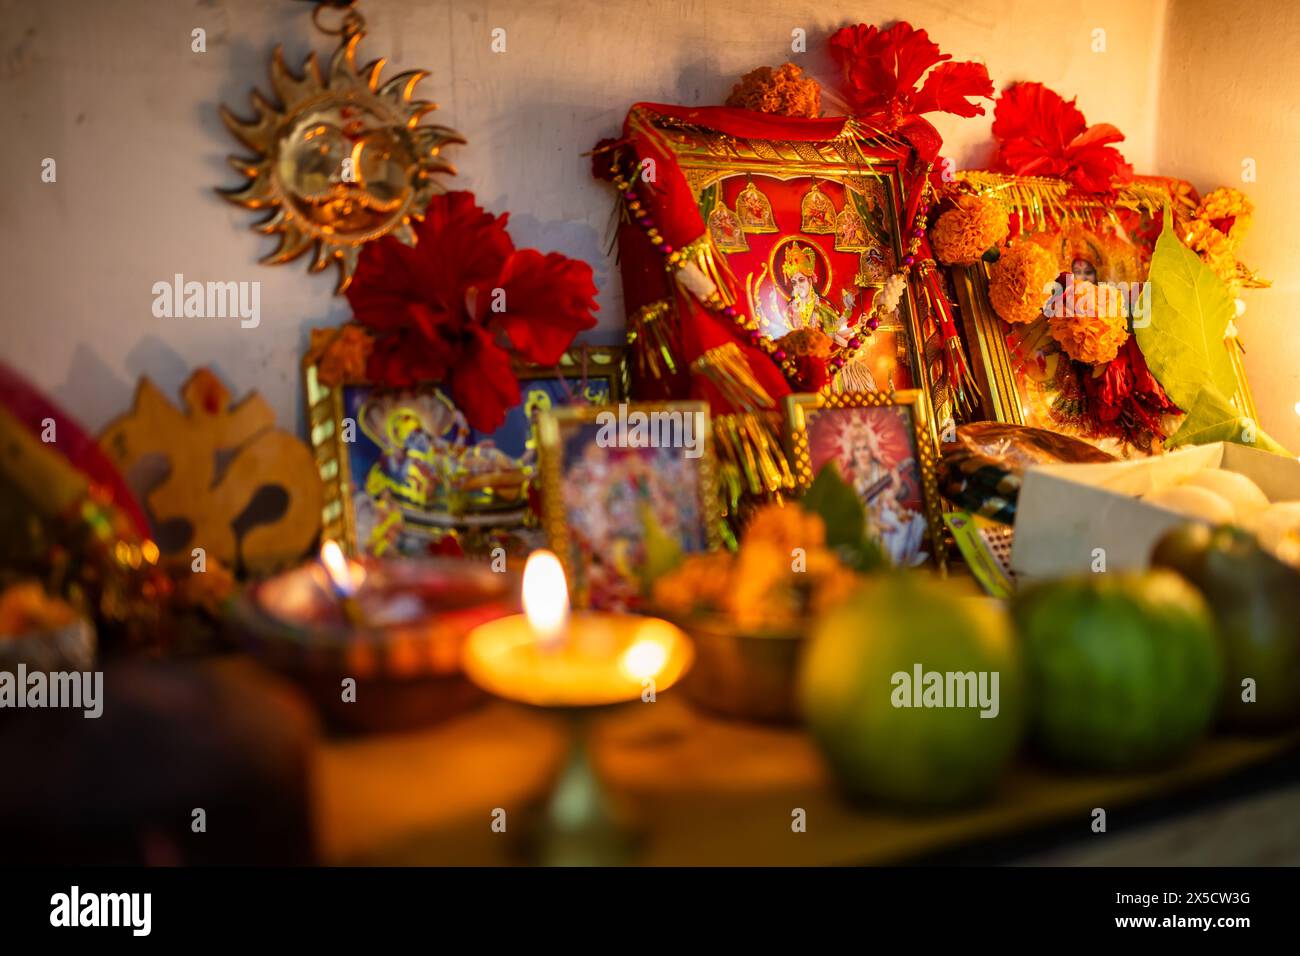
(963, 234)
(784, 91)
(1091, 325)
(1215, 231)
(1019, 281)
(1228, 210)
(809, 350)
(1215, 249)
(807, 341)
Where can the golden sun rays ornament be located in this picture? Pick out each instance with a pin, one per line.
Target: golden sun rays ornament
(341, 160)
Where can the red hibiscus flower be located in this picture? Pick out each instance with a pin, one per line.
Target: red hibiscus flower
(1040, 134)
(459, 304)
(1126, 397)
(880, 70)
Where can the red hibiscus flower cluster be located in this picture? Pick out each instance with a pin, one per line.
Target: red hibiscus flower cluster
(880, 70)
(463, 302)
(1040, 134)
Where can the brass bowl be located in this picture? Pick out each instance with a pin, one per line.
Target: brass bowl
(407, 672)
(740, 673)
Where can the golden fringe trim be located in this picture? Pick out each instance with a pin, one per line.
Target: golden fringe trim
(651, 335)
(727, 369)
(702, 254)
(855, 134)
(1042, 200)
(752, 463)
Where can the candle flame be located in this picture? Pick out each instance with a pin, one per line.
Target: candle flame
(546, 594)
(339, 569)
(645, 658)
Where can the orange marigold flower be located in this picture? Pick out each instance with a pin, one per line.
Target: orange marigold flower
(340, 354)
(1228, 210)
(1215, 249)
(807, 341)
(787, 527)
(962, 235)
(784, 91)
(1019, 282)
(698, 584)
(1093, 327)
(759, 588)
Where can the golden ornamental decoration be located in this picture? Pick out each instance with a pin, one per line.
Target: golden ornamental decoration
(816, 212)
(341, 160)
(726, 230)
(754, 210)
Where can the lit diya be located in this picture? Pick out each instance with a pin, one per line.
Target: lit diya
(575, 663)
(397, 627)
(548, 657)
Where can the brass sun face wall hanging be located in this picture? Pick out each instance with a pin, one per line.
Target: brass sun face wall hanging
(341, 160)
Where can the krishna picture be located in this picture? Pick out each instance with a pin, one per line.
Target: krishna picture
(404, 469)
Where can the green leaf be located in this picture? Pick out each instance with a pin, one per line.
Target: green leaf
(833, 499)
(1213, 418)
(1190, 311)
(663, 553)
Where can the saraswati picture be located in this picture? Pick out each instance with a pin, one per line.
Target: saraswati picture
(881, 448)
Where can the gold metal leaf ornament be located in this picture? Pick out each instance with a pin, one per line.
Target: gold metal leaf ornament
(340, 160)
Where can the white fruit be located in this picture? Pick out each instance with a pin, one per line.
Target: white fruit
(1238, 490)
(1195, 503)
(1277, 529)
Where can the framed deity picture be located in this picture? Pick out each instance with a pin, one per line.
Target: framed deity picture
(402, 468)
(1024, 376)
(811, 230)
(883, 449)
(615, 474)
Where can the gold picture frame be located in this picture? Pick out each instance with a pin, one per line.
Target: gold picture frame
(326, 411)
(803, 409)
(993, 367)
(558, 426)
(1050, 206)
(871, 172)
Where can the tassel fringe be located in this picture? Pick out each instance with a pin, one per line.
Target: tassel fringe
(652, 338)
(725, 367)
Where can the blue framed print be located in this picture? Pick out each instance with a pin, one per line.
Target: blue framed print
(403, 469)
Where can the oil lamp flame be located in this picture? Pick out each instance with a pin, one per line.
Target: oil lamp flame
(546, 595)
(340, 570)
(644, 659)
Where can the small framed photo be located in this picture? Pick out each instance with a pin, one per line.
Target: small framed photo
(402, 468)
(882, 446)
(607, 473)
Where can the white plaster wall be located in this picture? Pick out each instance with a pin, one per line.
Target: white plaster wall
(1230, 91)
(112, 91)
